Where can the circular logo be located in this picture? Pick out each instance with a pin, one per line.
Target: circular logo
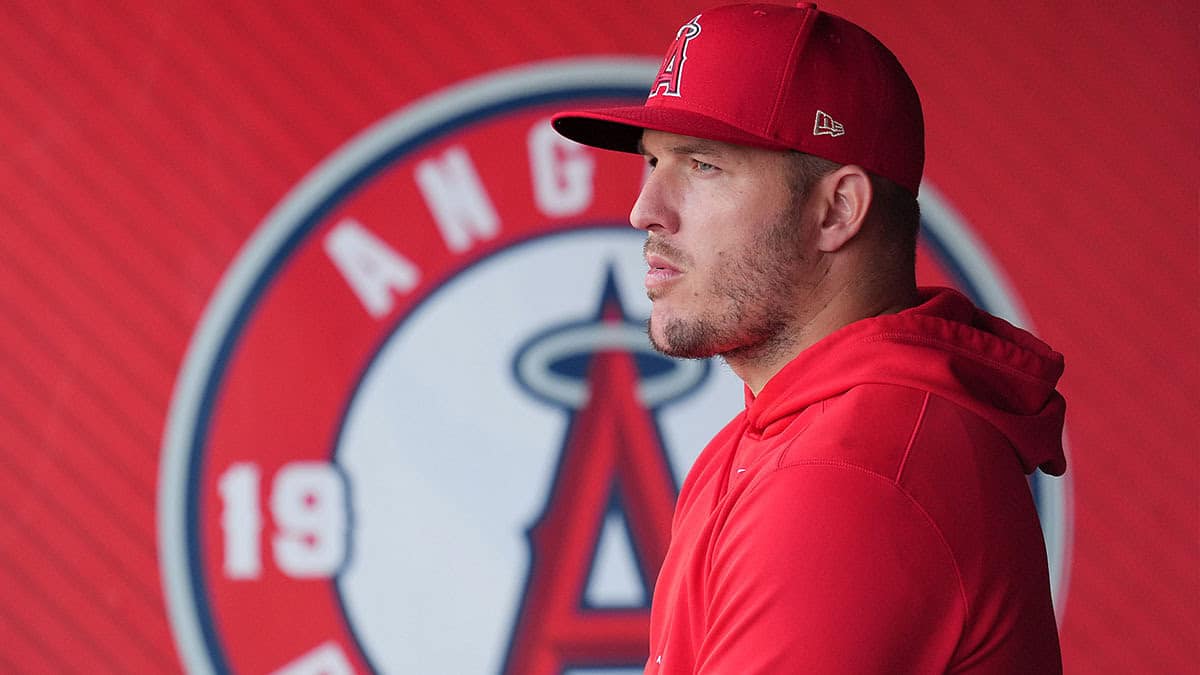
(419, 428)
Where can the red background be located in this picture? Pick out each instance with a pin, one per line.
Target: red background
(141, 145)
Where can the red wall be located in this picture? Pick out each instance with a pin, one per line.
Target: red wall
(145, 144)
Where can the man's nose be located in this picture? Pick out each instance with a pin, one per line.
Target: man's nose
(653, 209)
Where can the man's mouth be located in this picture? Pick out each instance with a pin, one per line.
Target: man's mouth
(665, 263)
(658, 263)
(660, 273)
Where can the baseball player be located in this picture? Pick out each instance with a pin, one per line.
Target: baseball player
(868, 510)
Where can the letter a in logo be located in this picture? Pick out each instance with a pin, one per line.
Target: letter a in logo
(613, 463)
(670, 76)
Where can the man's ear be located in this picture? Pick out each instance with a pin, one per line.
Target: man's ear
(849, 193)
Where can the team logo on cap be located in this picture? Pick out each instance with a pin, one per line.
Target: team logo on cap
(670, 76)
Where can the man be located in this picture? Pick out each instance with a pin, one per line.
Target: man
(868, 511)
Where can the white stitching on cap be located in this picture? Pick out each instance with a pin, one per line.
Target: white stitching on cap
(824, 125)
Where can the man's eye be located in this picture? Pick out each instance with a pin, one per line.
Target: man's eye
(705, 167)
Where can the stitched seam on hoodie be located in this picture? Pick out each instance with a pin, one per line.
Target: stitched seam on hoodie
(913, 439)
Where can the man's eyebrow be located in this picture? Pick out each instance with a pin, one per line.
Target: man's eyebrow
(696, 148)
(689, 148)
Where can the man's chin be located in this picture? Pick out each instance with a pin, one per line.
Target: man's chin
(673, 338)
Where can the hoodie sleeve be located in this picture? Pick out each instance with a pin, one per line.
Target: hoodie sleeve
(827, 568)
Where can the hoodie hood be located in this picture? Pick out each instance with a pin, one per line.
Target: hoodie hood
(945, 346)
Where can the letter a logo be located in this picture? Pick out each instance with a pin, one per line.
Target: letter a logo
(670, 76)
(613, 464)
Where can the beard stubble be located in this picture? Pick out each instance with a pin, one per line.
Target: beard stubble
(751, 298)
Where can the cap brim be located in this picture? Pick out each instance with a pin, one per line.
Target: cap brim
(621, 129)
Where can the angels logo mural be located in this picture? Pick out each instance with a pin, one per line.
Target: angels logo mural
(420, 428)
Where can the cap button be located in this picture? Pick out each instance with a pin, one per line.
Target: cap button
(806, 5)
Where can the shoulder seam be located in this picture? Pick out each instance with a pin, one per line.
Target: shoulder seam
(913, 439)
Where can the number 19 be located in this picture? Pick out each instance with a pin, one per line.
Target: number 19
(308, 507)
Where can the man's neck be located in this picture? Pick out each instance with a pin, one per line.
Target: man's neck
(850, 303)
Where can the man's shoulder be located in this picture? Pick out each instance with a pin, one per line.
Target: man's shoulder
(941, 456)
(871, 427)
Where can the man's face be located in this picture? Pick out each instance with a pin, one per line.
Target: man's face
(731, 258)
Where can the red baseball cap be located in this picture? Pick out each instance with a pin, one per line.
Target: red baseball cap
(775, 77)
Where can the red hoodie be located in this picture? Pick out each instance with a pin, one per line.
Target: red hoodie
(869, 513)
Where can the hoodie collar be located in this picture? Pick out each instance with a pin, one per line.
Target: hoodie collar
(944, 345)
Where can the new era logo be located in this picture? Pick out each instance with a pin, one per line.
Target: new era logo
(824, 125)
